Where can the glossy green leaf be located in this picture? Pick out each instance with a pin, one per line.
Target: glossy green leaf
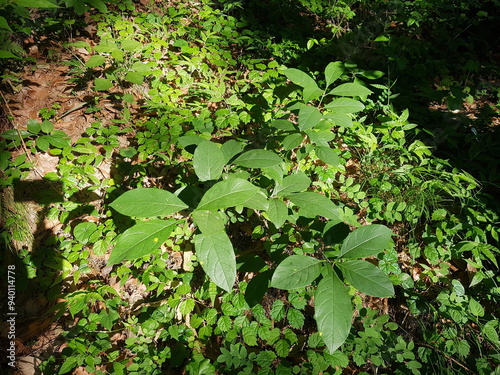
(233, 192)
(366, 241)
(309, 117)
(141, 240)
(147, 202)
(367, 278)
(345, 105)
(333, 311)
(327, 155)
(292, 184)
(277, 212)
(209, 222)
(208, 161)
(315, 204)
(216, 255)
(296, 271)
(333, 71)
(350, 89)
(258, 159)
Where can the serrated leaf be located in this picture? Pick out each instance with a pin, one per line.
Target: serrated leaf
(208, 161)
(216, 255)
(95, 60)
(277, 212)
(292, 184)
(278, 310)
(327, 155)
(258, 159)
(295, 318)
(296, 271)
(366, 241)
(282, 348)
(147, 202)
(314, 204)
(102, 84)
(333, 311)
(333, 71)
(292, 141)
(209, 222)
(350, 89)
(309, 117)
(141, 240)
(233, 192)
(186, 306)
(345, 105)
(367, 278)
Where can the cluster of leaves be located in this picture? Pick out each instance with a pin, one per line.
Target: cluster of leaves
(228, 237)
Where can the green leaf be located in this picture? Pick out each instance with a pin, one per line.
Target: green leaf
(333, 71)
(34, 126)
(186, 306)
(258, 159)
(47, 127)
(345, 105)
(83, 231)
(315, 204)
(209, 222)
(282, 348)
(130, 45)
(4, 25)
(296, 271)
(321, 137)
(295, 318)
(309, 117)
(68, 365)
(102, 84)
(333, 311)
(292, 184)
(339, 119)
(350, 89)
(311, 89)
(147, 202)
(230, 149)
(42, 143)
(367, 278)
(36, 3)
(95, 60)
(278, 310)
(141, 240)
(7, 54)
(327, 155)
(98, 4)
(490, 330)
(58, 142)
(284, 125)
(366, 241)
(277, 212)
(233, 192)
(135, 77)
(475, 308)
(208, 161)
(216, 255)
(292, 141)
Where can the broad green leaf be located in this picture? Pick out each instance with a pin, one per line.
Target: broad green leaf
(58, 142)
(311, 93)
(333, 311)
(295, 318)
(284, 125)
(321, 137)
(4, 25)
(36, 3)
(147, 202)
(296, 271)
(98, 4)
(134, 77)
(490, 330)
(292, 184)
(83, 231)
(299, 77)
(216, 255)
(367, 278)
(69, 364)
(130, 45)
(7, 54)
(209, 222)
(315, 204)
(366, 241)
(233, 192)
(372, 74)
(345, 105)
(350, 89)
(309, 117)
(475, 308)
(292, 141)
(258, 159)
(95, 60)
(327, 155)
(141, 240)
(277, 212)
(333, 71)
(230, 149)
(208, 161)
(102, 84)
